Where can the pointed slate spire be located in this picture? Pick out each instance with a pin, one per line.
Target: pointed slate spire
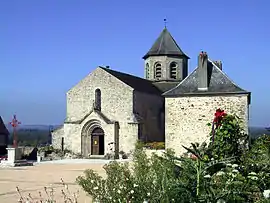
(3, 129)
(165, 45)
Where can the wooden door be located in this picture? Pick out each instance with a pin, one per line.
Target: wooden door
(95, 145)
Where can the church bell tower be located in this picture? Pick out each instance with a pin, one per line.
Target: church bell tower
(165, 61)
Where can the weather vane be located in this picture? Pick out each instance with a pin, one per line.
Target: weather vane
(14, 123)
(165, 22)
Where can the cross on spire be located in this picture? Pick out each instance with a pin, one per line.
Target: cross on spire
(165, 22)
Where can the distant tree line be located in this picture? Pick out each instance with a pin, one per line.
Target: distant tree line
(31, 137)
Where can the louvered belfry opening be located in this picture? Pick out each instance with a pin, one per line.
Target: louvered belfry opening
(173, 70)
(158, 70)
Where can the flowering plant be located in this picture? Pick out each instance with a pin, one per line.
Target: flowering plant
(227, 136)
(148, 179)
(217, 172)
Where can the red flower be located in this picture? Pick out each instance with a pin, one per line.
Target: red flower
(194, 157)
(219, 115)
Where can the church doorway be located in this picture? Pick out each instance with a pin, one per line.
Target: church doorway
(97, 141)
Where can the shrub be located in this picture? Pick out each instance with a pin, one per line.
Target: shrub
(48, 195)
(48, 149)
(148, 179)
(225, 164)
(224, 170)
(227, 138)
(257, 160)
(155, 145)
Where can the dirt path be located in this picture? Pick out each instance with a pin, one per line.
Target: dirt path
(33, 179)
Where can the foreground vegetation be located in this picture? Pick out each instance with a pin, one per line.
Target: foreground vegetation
(225, 170)
(228, 168)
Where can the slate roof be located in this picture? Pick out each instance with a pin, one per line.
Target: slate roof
(165, 45)
(164, 86)
(3, 129)
(219, 83)
(137, 83)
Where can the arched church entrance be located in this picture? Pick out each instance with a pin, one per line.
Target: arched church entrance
(92, 142)
(97, 141)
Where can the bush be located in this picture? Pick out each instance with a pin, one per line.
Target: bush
(155, 145)
(227, 138)
(225, 170)
(48, 149)
(224, 167)
(148, 179)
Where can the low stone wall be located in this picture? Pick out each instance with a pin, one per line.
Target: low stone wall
(26, 150)
(158, 152)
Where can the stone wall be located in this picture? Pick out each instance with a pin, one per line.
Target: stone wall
(150, 108)
(26, 150)
(116, 97)
(116, 105)
(186, 118)
(57, 137)
(72, 138)
(128, 136)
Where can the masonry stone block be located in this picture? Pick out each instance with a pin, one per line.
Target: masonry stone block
(186, 118)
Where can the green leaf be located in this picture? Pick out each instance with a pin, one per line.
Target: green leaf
(190, 150)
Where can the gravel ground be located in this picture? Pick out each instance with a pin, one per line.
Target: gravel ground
(79, 161)
(32, 179)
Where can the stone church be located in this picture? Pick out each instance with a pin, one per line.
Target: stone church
(111, 108)
(4, 133)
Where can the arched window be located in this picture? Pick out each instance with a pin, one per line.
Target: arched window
(147, 71)
(97, 99)
(173, 70)
(157, 70)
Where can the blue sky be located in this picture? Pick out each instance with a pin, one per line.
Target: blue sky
(46, 47)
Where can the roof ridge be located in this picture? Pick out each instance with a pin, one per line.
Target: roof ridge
(104, 68)
(159, 48)
(189, 84)
(176, 44)
(222, 72)
(135, 82)
(181, 81)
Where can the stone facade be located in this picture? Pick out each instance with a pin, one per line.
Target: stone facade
(81, 97)
(57, 135)
(109, 107)
(187, 117)
(115, 105)
(120, 115)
